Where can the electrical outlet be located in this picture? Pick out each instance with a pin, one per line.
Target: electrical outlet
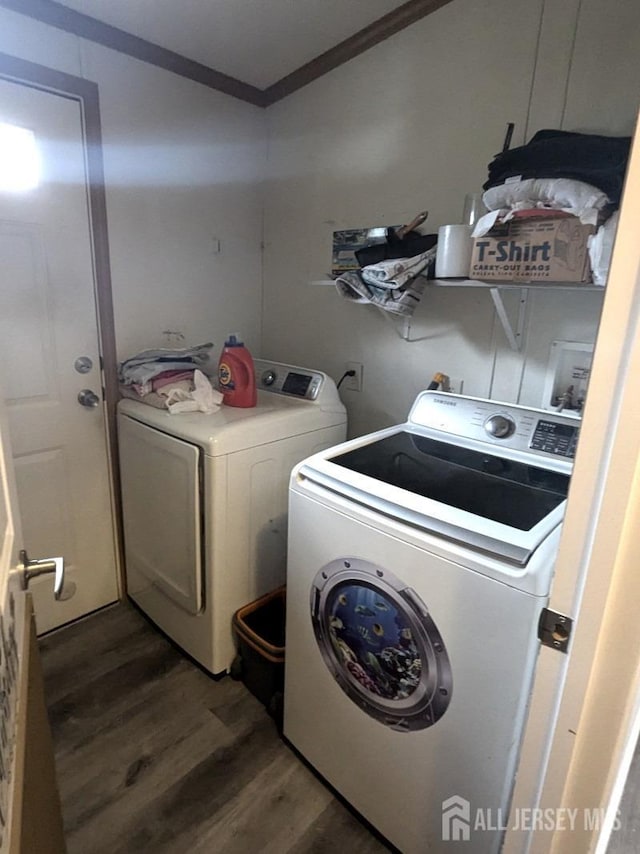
(354, 383)
(456, 385)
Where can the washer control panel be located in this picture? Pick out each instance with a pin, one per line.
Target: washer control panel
(508, 425)
(554, 438)
(289, 381)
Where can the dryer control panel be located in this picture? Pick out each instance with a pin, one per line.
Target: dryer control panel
(287, 380)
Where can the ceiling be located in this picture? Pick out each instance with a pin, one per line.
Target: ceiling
(258, 50)
(256, 41)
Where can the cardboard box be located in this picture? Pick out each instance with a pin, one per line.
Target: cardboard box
(533, 249)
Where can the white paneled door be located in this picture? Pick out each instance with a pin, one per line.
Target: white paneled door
(49, 352)
(30, 813)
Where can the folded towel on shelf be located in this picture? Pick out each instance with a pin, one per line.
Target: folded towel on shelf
(401, 301)
(397, 272)
(597, 160)
(395, 286)
(562, 194)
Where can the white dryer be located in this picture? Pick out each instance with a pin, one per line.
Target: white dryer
(204, 501)
(420, 561)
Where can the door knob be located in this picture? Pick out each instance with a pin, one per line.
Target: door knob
(29, 569)
(86, 397)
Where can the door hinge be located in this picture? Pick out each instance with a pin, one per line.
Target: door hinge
(554, 629)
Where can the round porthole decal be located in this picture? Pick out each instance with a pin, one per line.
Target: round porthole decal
(381, 644)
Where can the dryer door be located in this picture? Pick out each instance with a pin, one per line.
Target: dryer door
(379, 641)
(161, 510)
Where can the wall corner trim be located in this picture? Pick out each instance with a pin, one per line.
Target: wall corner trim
(57, 15)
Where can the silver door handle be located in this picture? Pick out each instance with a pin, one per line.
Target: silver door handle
(29, 569)
(86, 397)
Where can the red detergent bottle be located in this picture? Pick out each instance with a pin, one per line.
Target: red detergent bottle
(236, 374)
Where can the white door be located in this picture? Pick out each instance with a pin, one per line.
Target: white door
(47, 323)
(30, 815)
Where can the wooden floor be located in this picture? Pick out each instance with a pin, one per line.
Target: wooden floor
(154, 756)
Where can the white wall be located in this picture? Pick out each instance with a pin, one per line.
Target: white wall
(183, 165)
(409, 125)
(412, 124)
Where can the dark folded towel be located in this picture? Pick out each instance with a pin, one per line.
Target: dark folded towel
(597, 160)
(413, 243)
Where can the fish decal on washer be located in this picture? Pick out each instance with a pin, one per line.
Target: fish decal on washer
(395, 666)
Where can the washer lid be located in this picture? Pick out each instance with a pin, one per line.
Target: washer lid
(484, 509)
(490, 486)
(232, 429)
(490, 477)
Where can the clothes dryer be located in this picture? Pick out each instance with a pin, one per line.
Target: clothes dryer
(420, 561)
(204, 501)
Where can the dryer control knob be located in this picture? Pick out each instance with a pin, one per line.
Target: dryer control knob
(268, 378)
(499, 426)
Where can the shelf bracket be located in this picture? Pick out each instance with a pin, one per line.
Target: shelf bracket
(514, 336)
(402, 330)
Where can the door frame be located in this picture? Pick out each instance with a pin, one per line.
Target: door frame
(85, 93)
(583, 719)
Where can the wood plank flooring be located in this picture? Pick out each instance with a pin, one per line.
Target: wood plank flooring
(154, 756)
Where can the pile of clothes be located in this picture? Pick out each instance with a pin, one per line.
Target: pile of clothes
(395, 285)
(170, 379)
(577, 174)
(392, 274)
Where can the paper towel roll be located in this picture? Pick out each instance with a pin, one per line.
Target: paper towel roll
(453, 256)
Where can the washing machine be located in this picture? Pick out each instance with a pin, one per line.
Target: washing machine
(420, 561)
(204, 501)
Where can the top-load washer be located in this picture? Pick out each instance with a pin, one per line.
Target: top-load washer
(204, 501)
(420, 561)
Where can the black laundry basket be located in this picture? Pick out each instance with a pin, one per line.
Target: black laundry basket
(259, 628)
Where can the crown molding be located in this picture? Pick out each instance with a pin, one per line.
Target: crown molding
(351, 47)
(86, 27)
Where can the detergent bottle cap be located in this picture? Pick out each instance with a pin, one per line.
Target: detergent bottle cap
(233, 341)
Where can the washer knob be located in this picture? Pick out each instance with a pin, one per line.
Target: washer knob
(499, 426)
(268, 378)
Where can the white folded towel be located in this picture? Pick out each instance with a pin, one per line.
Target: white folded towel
(397, 272)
